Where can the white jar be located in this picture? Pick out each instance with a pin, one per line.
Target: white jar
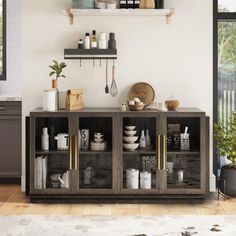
(50, 100)
(132, 179)
(102, 41)
(45, 140)
(145, 180)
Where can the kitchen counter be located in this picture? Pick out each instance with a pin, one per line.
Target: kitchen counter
(10, 98)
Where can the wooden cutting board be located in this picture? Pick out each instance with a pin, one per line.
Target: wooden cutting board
(143, 91)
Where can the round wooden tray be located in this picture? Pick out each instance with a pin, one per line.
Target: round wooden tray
(143, 91)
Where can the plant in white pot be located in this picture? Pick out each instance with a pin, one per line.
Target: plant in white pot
(57, 71)
(226, 144)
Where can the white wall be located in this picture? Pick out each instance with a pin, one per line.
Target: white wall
(12, 85)
(175, 57)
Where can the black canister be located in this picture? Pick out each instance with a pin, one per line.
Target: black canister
(112, 41)
(159, 4)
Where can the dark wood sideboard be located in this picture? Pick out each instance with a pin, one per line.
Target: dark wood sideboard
(177, 173)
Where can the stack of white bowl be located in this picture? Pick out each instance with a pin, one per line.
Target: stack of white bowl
(98, 144)
(130, 138)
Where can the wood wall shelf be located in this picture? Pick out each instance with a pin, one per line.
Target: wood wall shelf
(90, 54)
(119, 12)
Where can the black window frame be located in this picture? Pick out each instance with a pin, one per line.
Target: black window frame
(3, 76)
(217, 17)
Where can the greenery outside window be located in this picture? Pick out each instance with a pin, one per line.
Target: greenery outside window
(224, 65)
(2, 39)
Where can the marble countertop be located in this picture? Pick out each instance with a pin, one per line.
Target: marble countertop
(10, 98)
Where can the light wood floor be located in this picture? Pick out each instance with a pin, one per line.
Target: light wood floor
(13, 202)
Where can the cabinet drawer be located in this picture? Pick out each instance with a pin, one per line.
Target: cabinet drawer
(10, 108)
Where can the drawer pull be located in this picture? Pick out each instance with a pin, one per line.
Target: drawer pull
(2, 108)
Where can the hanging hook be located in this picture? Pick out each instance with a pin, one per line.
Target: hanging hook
(93, 63)
(80, 63)
(113, 63)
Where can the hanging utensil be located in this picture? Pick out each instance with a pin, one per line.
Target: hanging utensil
(107, 87)
(113, 90)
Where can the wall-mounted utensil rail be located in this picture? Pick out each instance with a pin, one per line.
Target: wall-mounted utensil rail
(90, 54)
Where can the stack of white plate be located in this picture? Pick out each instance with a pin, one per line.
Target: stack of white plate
(83, 4)
(130, 138)
(98, 144)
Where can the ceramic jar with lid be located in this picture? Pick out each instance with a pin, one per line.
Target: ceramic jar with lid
(132, 178)
(172, 104)
(145, 180)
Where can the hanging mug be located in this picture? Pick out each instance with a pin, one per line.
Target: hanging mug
(85, 139)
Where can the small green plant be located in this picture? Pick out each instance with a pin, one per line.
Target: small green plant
(226, 140)
(57, 69)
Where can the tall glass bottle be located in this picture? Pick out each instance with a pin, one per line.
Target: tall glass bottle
(94, 42)
(142, 140)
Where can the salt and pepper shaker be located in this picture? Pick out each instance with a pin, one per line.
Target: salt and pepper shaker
(123, 107)
(87, 41)
(112, 41)
(102, 41)
(81, 44)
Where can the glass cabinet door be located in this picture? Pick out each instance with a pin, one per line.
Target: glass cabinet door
(52, 155)
(95, 154)
(182, 156)
(139, 154)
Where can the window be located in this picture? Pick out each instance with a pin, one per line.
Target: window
(224, 62)
(2, 39)
(226, 6)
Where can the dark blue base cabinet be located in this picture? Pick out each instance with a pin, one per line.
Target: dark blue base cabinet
(105, 155)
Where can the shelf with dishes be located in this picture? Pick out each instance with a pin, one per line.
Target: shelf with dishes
(119, 12)
(52, 152)
(91, 152)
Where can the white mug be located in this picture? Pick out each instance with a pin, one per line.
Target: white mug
(62, 141)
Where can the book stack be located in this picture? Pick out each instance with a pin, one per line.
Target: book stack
(40, 171)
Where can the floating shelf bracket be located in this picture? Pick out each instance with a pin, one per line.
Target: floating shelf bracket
(71, 16)
(168, 16)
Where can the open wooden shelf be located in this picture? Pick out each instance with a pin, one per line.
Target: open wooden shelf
(51, 152)
(183, 152)
(119, 12)
(140, 152)
(90, 152)
(88, 54)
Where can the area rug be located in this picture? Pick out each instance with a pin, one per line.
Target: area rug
(117, 226)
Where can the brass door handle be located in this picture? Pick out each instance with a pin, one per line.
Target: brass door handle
(164, 151)
(158, 152)
(76, 152)
(70, 164)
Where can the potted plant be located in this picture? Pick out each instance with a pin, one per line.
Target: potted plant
(57, 69)
(226, 143)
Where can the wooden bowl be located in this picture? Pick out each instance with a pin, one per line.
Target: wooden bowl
(136, 107)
